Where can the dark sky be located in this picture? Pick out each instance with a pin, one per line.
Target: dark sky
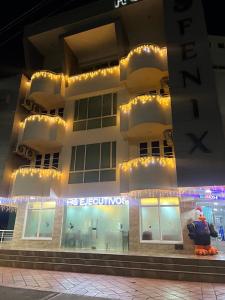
(11, 50)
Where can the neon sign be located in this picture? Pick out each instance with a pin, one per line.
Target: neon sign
(97, 201)
(120, 3)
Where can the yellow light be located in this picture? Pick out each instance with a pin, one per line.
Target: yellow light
(149, 201)
(169, 201)
(146, 161)
(47, 74)
(44, 118)
(94, 74)
(31, 171)
(147, 48)
(164, 101)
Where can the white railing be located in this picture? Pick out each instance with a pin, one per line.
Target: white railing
(6, 236)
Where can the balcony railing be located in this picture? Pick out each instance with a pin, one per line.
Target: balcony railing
(6, 236)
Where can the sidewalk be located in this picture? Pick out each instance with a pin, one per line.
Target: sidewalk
(111, 287)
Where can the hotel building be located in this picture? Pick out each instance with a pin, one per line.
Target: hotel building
(116, 131)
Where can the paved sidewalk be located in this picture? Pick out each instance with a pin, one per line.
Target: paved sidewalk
(111, 287)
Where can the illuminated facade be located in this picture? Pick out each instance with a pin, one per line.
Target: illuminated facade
(112, 149)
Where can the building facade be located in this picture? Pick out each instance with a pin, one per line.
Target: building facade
(119, 129)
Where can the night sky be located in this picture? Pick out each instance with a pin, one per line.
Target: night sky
(11, 49)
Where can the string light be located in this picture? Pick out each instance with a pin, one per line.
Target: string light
(163, 101)
(147, 48)
(90, 75)
(47, 74)
(146, 161)
(44, 118)
(41, 173)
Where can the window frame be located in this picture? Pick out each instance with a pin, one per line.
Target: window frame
(159, 218)
(100, 118)
(37, 238)
(100, 169)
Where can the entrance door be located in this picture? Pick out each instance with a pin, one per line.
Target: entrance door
(96, 228)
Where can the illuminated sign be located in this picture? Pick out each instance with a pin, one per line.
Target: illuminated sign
(120, 3)
(97, 201)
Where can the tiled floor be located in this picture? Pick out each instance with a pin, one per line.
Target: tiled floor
(109, 286)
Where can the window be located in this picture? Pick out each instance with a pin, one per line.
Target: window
(39, 220)
(155, 148)
(143, 149)
(52, 112)
(168, 150)
(61, 112)
(93, 163)
(160, 219)
(95, 112)
(38, 161)
(55, 160)
(47, 160)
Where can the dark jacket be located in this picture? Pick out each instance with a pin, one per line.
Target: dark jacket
(201, 232)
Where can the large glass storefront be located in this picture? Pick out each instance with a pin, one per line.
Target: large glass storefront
(39, 221)
(160, 220)
(96, 227)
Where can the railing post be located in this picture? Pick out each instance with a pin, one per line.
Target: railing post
(2, 231)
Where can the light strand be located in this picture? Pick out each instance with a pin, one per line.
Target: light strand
(147, 48)
(146, 162)
(44, 118)
(41, 173)
(163, 101)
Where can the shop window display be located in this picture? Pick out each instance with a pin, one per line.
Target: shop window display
(160, 219)
(39, 220)
(96, 227)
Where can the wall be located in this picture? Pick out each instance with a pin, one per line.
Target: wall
(198, 138)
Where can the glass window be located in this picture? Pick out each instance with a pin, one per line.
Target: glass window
(143, 149)
(95, 112)
(95, 107)
(168, 150)
(93, 163)
(38, 161)
(55, 160)
(105, 155)
(39, 220)
(155, 148)
(61, 112)
(160, 219)
(47, 160)
(92, 156)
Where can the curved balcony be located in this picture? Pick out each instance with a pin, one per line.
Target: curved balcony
(145, 117)
(98, 80)
(43, 133)
(144, 67)
(37, 182)
(148, 173)
(46, 89)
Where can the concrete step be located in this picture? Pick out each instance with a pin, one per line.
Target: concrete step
(205, 270)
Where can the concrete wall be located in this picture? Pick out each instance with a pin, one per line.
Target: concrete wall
(198, 137)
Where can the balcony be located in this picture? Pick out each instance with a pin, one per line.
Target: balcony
(144, 67)
(148, 173)
(36, 182)
(145, 117)
(98, 80)
(43, 133)
(47, 89)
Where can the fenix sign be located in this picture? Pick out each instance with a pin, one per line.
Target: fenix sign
(120, 3)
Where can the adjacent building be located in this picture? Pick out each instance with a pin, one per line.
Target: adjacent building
(118, 129)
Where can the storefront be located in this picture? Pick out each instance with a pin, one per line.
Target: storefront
(96, 224)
